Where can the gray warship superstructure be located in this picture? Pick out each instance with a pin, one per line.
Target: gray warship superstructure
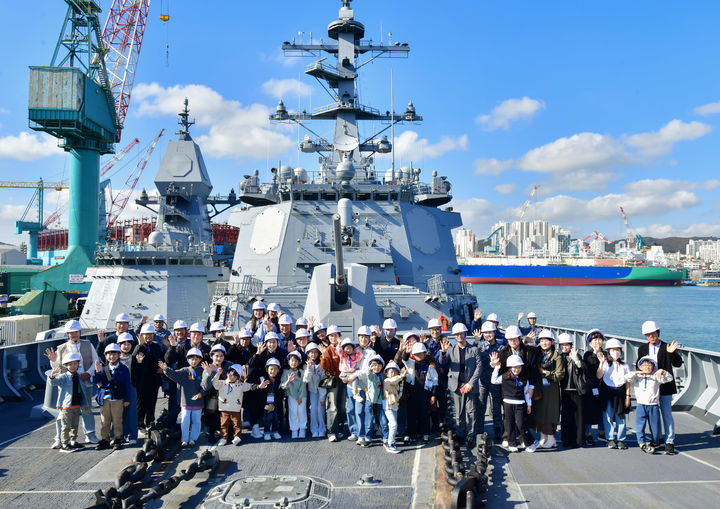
(175, 271)
(345, 244)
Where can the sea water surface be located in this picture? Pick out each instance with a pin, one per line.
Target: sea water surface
(688, 314)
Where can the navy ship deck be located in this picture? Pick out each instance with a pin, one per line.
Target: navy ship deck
(31, 474)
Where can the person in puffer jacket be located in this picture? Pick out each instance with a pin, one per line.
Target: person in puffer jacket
(392, 387)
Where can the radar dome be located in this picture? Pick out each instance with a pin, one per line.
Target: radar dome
(345, 170)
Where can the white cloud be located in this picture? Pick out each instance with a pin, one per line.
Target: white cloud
(28, 147)
(235, 130)
(711, 184)
(708, 109)
(580, 151)
(662, 141)
(287, 88)
(674, 230)
(505, 188)
(410, 147)
(477, 214)
(579, 180)
(510, 110)
(8, 215)
(491, 166)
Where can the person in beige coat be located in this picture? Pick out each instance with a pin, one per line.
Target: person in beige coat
(546, 411)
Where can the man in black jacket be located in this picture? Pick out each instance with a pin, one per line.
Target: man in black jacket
(667, 357)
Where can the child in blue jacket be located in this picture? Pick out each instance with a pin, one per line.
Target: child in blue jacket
(113, 381)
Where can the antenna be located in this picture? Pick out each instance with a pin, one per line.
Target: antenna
(392, 123)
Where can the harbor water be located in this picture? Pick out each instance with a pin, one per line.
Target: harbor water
(688, 314)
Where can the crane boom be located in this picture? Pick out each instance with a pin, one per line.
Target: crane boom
(33, 185)
(628, 230)
(523, 209)
(123, 36)
(107, 166)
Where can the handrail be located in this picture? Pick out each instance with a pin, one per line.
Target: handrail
(698, 379)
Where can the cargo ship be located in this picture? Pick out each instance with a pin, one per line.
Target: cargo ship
(583, 271)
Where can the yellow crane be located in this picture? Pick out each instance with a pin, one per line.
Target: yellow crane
(58, 186)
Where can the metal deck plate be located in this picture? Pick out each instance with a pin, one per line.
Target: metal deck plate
(271, 491)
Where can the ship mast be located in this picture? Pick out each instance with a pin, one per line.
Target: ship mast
(347, 152)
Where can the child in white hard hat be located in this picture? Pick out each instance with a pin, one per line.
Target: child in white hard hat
(616, 389)
(646, 384)
(296, 392)
(392, 387)
(189, 379)
(71, 398)
(517, 398)
(313, 375)
(113, 381)
(272, 397)
(420, 385)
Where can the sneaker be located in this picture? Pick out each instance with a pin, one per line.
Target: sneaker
(184, 444)
(363, 442)
(66, 448)
(339, 436)
(236, 440)
(76, 445)
(670, 449)
(426, 439)
(332, 438)
(611, 444)
(621, 445)
(221, 442)
(513, 448)
(532, 447)
(102, 445)
(392, 449)
(56, 445)
(406, 439)
(191, 442)
(267, 436)
(91, 439)
(647, 448)
(549, 442)
(505, 443)
(256, 433)
(276, 436)
(117, 445)
(353, 437)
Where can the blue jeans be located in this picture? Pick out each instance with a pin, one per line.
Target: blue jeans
(353, 411)
(614, 424)
(650, 415)
(130, 416)
(492, 391)
(190, 424)
(371, 419)
(667, 418)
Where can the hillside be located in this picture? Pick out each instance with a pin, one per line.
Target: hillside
(671, 244)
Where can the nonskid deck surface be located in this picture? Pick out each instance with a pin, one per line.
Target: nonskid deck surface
(33, 475)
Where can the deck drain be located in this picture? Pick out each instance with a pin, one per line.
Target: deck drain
(270, 491)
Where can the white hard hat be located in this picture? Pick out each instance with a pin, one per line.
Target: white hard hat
(272, 335)
(197, 327)
(217, 348)
(418, 348)
(72, 357)
(216, 326)
(389, 324)
(589, 334)
(458, 328)
(564, 338)
(295, 354)
(649, 326)
(125, 336)
(392, 365)
(244, 333)
(514, 361)
(320, 326)
(194, 351)
(148, 328)
(179, 324)
(411, 334)
(273, 306)
(347, 341)
(546, 334)
(272, 361)
(493, 317)
(512, 331)
(237, 368)
(647, 358)
(158, 318)
(311, 346)
(122, 317)
(613, 343)
(334, 329)
(488, 326)
(434, 322)
(302, 321)
(285, 319)
(376, 358)
(364, 330)
(302, 333)
(112, 347)
(73, 326)
(532, 314)
(258, 304)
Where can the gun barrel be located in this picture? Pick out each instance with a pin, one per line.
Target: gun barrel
(339, 265)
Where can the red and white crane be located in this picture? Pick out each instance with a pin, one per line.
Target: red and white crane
(523, 209)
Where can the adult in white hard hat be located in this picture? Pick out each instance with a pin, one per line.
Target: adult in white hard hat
(301, 323)
(592, 400)
(75, 345)
(388, 344)
(122, 324)
(463, 380)
(531, 333)
(667, 357)
(286, 336)
(260, 322)
(177, 354)
(242, 350)
(421, 389)
(493, 318)
(573, 387)
(616, 390)
(487, 345)
(546, 410)
(146, 375)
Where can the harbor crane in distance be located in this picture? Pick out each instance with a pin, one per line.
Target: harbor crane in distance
(633, 240)
(595, 236)
(523, 209)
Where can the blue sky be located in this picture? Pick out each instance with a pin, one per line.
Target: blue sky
(601, 104)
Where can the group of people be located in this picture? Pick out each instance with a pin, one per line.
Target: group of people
(279, 375)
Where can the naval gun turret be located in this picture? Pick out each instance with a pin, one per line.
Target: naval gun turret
(345, 244)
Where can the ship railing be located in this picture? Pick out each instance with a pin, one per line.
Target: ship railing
(698, 379)
(436, 285)
(248, 287)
